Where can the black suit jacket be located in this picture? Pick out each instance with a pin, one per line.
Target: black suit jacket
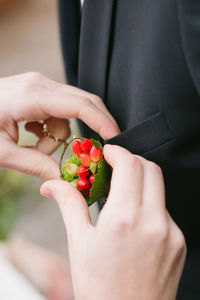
(143, 58)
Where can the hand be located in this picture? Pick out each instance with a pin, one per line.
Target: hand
(32, 97)
(135, 251)
(48, 272)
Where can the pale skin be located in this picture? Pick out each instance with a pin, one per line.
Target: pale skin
(48, 272)
(135, 251)
(32, 97)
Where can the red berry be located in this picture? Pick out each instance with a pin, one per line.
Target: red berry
(76, 147)
(95, 154)
(83, 184)
(85, 159)
(92, 178)
(83, 171)
(86, 145)
(86, 192)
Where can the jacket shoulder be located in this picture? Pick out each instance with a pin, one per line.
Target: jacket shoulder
(189, 21)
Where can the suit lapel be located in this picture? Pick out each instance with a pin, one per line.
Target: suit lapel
(69, 17)
(94, 45)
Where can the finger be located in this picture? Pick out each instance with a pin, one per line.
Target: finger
(57, 86)
(30, 161)
(12, 130)
(67, 106)
(57, 127)
(153, 187)
(47, 100)
(36, 128)
(73, 206)
(127, 178)
(95, 99)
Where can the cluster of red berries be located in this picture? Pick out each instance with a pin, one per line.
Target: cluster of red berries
(88, 154)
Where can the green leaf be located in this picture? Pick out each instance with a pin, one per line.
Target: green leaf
(97, 143)
(101, 184)
(66, 175)
(74, 160)
(74, 182)
(102, 171)
(71, 168)
(93, 168)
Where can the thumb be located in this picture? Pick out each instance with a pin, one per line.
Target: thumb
(72, 204)
(31, 161)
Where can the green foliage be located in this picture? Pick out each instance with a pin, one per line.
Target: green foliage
(74, 182)
(101, 184)
(12, 186)
(66, 175)
(97, 143)
(93, 168)
(74, 160)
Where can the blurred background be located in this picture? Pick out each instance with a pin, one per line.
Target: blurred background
(29, 41)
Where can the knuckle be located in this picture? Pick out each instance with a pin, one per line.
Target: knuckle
(31, 80)
(84, 105)
(158, 232)
(154, 167)
(134, 161)
(39, 169)
(97, 99)
(121, 227)
(178, 241)
(122, 224)
(86, 102)
(34, 76)
(36, 170)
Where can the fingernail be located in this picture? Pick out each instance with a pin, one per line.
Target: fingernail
(46, 192)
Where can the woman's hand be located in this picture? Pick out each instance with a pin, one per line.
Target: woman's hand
(135, 251)
(32, 97)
